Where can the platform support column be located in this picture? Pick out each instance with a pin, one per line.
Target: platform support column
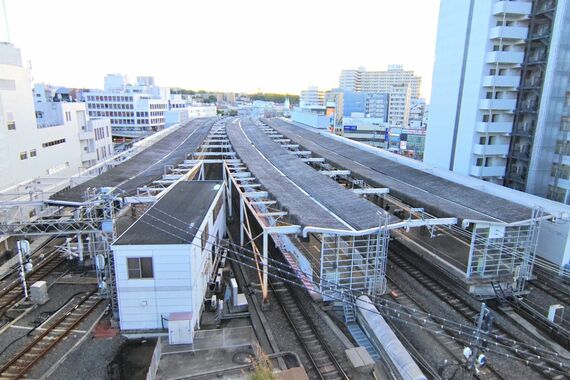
(265, 266)
(241, 226)
(230, 212)
(80, 248)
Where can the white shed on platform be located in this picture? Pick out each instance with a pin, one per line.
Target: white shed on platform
(164, 260)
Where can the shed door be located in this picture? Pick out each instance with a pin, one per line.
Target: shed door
(180, 332)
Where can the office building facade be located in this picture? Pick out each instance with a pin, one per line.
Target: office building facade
(134, 110)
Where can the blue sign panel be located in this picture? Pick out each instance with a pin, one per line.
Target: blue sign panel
(350, 127)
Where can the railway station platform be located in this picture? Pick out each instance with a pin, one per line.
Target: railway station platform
(493, 241)
(357, 212)
(146, 166)
(301, 208)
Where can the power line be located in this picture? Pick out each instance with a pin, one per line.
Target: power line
(422, 318)
(287, 270)
(397, 313)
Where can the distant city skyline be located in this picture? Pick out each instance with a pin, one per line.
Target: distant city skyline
(221, 46)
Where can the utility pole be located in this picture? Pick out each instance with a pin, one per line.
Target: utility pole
(475, 358)
(23, 247)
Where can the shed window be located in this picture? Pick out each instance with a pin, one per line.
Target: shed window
(140, 267)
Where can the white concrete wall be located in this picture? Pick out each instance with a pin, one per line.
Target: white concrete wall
(449, 49)
(479, 45)
(311, 119)
(16, 104)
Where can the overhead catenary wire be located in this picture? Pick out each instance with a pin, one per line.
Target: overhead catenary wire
(398, 313)
(423, 318)
(288, 271)
(291, 273)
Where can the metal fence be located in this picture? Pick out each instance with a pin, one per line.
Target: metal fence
(355, 263)
(502, 251)
(223, 338)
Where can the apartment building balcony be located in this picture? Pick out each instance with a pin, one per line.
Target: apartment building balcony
(487, 171)
(503, 127)
(537, 59)
(525, 130)
(498, 104)
(521, 152)
(505, 57)
(534, 83)
(528, 107)
(517, 177)
(516, 33)
(491, 150)
(561, 158)
(546, 7)
(508, 81)
(560, 182)
(512, 8)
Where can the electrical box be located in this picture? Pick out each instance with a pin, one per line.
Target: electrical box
(556, 313)
(180, 329)
(39, 292)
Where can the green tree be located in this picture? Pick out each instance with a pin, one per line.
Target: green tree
(262, 369)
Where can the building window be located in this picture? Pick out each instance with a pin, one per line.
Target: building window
(33, 153)
(23, 155)
(139, 267)
(11, 125)
(564, 125)
(52, 143)
(556, 193)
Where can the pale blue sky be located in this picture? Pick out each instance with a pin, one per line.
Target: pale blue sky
(277, 46)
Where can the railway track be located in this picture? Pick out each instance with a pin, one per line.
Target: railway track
(540, 364)
(46, 249)
(57, 330)
(324, 365)
(13, 292)
(444, 337)
(552, 290)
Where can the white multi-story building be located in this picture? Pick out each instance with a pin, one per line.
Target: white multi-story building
(399, 105)
(501, 96)
(134, 111)
(380, 81)
(311, 97)
(29, 147)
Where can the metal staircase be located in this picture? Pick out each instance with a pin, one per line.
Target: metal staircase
(348, 303)
(500, 293)
(362, 340)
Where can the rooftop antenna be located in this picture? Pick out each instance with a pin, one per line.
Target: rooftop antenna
(6, 20)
